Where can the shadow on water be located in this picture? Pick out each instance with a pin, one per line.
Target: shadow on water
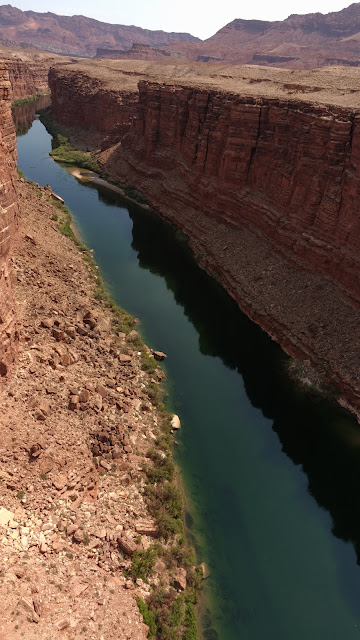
(276, 570)
(24, 114)
(324, 439)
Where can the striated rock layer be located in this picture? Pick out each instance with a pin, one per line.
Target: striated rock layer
(27, 78)
(266, 190)
(8, 222)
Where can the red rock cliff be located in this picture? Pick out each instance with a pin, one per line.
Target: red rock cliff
(28, 78)
(8, 222)
(267, 191)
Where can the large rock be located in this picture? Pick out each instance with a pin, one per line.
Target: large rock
(127, 545)
(5, 516)
(180, 579)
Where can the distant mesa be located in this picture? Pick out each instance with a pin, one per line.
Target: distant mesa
(299, 42)
(140, 52)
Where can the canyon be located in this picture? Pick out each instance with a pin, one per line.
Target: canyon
(28, 70)
(259, 169)
(77, 426)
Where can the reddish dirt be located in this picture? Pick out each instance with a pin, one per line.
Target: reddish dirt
(73, 495)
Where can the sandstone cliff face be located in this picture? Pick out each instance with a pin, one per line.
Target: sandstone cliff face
(27, 78)
(8, 222)
(267, 192)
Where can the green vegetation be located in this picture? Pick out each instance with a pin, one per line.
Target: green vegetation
(134, 194)
(169, 616)
(62, 149)
(149, 617)
(28, 100)
(191, 631)
(143, 562)
(148, 363)
(121, 320)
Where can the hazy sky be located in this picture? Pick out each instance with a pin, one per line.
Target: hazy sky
(198, 17)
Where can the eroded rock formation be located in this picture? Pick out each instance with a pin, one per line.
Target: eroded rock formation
(76, 35)
(27, 78)
(299, 42)
(266, 189)
(8, 222)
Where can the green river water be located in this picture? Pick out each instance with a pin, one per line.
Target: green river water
(271, 476)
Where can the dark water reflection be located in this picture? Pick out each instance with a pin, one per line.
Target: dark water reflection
(24, 114)
(323, 438)
(272, 475)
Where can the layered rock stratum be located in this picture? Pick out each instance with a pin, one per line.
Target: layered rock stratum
(259, 168)
(28, 70)
(8, 223)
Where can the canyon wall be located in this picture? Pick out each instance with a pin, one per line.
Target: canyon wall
(27, 78)
(266, 190)
(8, 222)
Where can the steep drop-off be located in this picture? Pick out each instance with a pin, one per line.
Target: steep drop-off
(27, 79)
(28, 70)
(8, 222)
(265, 188)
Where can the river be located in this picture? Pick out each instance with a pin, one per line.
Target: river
(271, 475)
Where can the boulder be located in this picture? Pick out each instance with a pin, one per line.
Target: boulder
(127, 545)
(159, 355)
(175, 422)
(180, 579)
(5, 516)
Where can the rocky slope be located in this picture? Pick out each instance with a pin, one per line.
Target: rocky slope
(264, 184)
(299, 42)
(8, 222)
(76, 35)
(140, 52)
(77, 424)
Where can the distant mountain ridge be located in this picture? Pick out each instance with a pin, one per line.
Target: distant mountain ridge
(299, 42)
(76, 35)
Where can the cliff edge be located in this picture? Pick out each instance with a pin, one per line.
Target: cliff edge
(260, 169)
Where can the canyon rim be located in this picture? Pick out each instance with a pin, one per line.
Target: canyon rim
(261, 175)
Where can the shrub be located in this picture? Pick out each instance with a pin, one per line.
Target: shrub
(191, 630)
(148, 616)
(28, 100)
(142, 563)
(134, 194)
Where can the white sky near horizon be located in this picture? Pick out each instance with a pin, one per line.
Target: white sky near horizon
(201, 18)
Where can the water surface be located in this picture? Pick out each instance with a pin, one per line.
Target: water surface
(272, 476)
